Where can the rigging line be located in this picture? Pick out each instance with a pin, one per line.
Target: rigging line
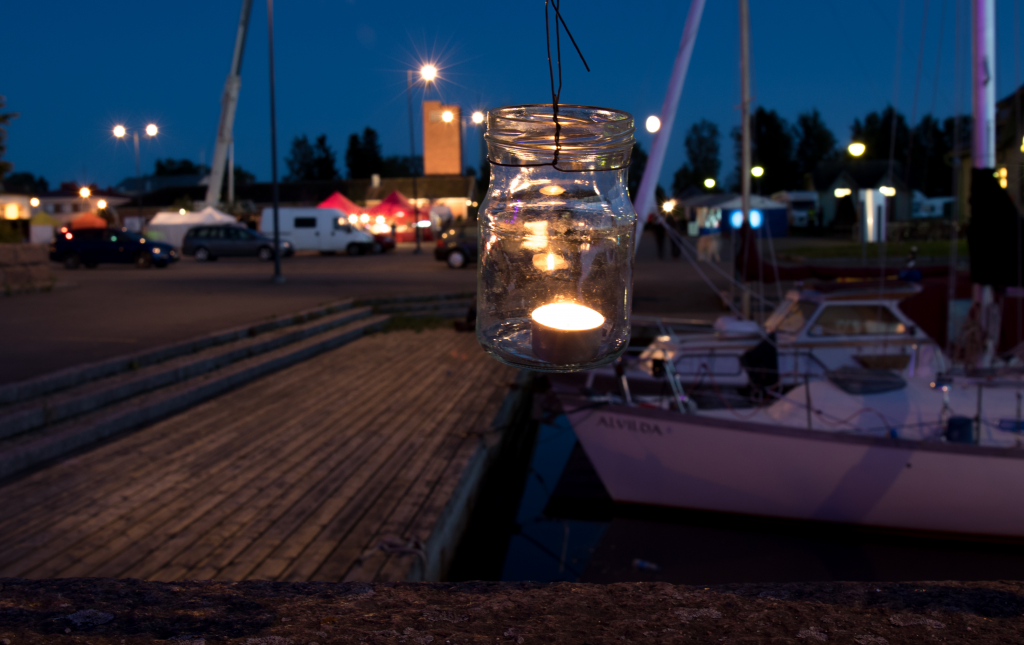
(884, 239)
(917, 89)
(935, 86)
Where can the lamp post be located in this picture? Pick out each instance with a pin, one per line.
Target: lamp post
(278, 278)
(151, 131)
(428, 73)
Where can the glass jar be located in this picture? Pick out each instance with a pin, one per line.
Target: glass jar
(555, 269)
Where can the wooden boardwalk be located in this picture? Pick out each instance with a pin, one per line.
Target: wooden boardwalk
(340, 468)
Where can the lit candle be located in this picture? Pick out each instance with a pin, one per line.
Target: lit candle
(565, 333)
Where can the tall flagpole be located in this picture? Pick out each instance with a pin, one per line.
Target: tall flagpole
(645, 194)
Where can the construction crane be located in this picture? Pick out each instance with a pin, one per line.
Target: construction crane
(228, 103)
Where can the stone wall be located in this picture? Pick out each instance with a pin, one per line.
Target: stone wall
(97, 611)
(25, 267)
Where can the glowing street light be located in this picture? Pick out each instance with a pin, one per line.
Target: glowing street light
(84, 192)
(34, 202)
(842, 192)
(757, 171)
(653, 123)
(669, 206)
(447, 116)
(181, 211)
(478, 117)
(102, 204)
(856, 149)
(428, 72)
(888, 191)
(121, 132)
(709, 183)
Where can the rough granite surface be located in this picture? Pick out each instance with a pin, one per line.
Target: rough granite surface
(96, 611)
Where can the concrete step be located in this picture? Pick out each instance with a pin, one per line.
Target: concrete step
(96, 394)
(32, 448)
(443, 308)
(396, 300)
(22, 391)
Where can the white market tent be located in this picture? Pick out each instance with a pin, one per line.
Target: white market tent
(171, 227)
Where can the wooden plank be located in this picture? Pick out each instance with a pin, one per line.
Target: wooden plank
(424, 450)
(249, 501)
(130, 537)
(240, 444)
(417, 486)
(285, 540)
(104, 468)
(396, 567)
(279, 479)
(364, 491)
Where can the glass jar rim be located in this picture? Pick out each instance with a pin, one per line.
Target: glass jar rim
(588, 137)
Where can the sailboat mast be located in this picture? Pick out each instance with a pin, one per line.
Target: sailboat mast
(644, 199)
(983, 59)
(745, 116)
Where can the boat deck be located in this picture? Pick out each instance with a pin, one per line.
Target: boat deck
(349, 466)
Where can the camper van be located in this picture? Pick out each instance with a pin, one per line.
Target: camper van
(317, 229)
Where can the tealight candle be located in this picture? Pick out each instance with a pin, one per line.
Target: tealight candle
(566, 333)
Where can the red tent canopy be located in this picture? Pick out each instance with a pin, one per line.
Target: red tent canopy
(342, 203)
(89, 220)
(396, 208)
(395, 205)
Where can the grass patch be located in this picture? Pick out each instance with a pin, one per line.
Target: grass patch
(401, 322)
(925, 248)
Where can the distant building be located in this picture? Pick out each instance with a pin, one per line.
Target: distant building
(66, 204)
(801, 206)
(442, 139)
(836, 181)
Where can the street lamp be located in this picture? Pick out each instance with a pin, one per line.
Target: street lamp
(757, 171)
(34, 202)
(428, 73)
(102, 204)
(669, 206)
(447, 116)
(84, 192)
(856, 149)
(653, 124)
(151, 130)
(478, 118)
(709, 183)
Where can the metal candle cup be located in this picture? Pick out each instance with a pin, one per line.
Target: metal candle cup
(565, 333)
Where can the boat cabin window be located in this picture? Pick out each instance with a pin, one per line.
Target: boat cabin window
(857, 320)
(790, 317)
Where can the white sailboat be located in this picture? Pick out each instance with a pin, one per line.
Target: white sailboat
(856, 419)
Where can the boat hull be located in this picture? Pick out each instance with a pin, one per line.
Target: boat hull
(663, 458)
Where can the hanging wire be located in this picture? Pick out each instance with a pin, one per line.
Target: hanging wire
(556, 93)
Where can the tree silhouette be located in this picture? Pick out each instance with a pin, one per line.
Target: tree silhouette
(702, 157)
(814, 143)
(363, 155)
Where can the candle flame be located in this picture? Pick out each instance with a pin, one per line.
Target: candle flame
(567, 316)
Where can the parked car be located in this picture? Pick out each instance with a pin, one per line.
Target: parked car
(90, 246)
(211, 242)
(457, 246)
(318, 229)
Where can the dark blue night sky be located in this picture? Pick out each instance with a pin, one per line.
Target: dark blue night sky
(74, 70)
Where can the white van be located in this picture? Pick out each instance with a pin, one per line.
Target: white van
(317, 229)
